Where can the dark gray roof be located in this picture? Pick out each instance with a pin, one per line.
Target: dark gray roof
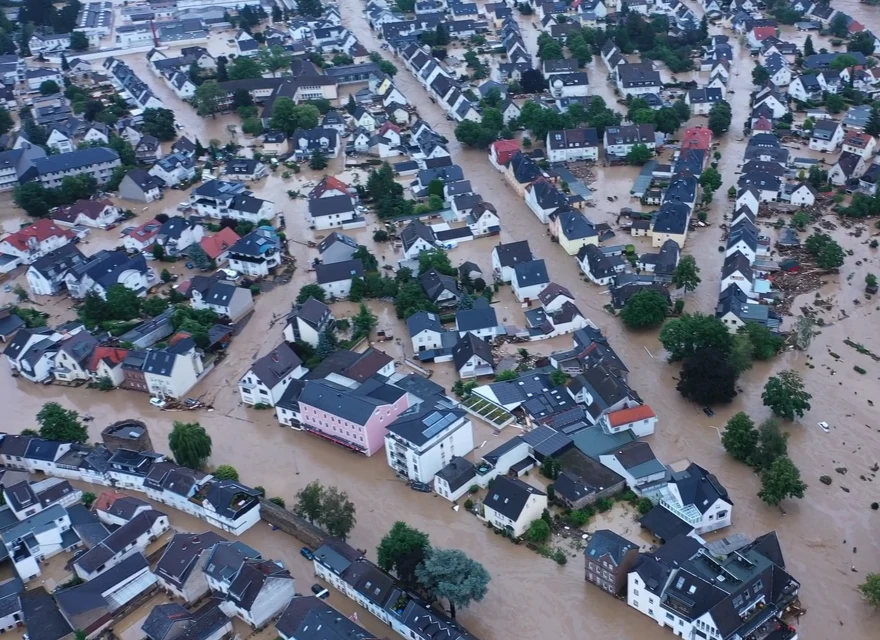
(339, 271)
(275, 365)
(87, 526)
(309, 618)
(435, 284)
(126, 507)
(226, 558)
(698, 487)
(415, 230)
(341, 401)
(251, 578)
(664, 524)
(546, 441)
(231, 498)
(10, 597)
(74, 160)
(335, 237)
(480, 316)
(513, 253)
(162, 619)
(39, 449)
(508, 496)
(180, 556)
(458, 473)
(329, 206)
(313, 312)
(471, 345)
(42, 616)
(425, 422)
(423, 321)
(531, 273)
(419, 386)
(55, 263)
(608, 543)
(89, 596)
(118, 541)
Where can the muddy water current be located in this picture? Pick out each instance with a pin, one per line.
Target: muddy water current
(530, 597)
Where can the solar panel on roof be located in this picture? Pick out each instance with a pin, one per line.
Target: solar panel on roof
(441, 423)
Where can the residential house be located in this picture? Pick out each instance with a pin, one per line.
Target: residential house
(38, 538)
(670, 223)
(543, 198)
(337, 247)
(307, 322)
(177, 234)
(529, 280)
(256, 254)
(441, 289)
(334, 211)
(98, 214)
(148, 149)
(106, 269)
(521, 171)
(268, 377)
(480, 320)
(424, 439)
(735, 310)
(221, 199)
(354, 418)
(501, 151)
(34, 241)
(572, 144)
(511, 505)
(308, 141)
(637, 79)
(801, 194)
(171, 372)
(505, 257)
(246, 169)
(619, 141)
(216, 247)
(223, 298)
(636, 463)
(335, 279)
(131, 538)
(140, 186)
(31, 353)
(640, 420)
(826, 135)
(608, 559)
(737, 270)
(179, 570)
(849, 166)
(425, 331)
(599, 268)
(174, 169)
(862, 144)
(573, 230)
(455, 479)
(73, 356)
(45, 276)
(702, 100)
(472, 357)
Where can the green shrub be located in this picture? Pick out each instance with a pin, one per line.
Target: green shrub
(468, 504)
(604, 504)
(279, 501)
(644, 505)
(474, 488)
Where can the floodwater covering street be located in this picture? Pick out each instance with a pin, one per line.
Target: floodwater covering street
(531, 597)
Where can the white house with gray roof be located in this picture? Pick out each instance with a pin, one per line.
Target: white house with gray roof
(223, 298)
(307, 322)
(511, 505)
(480, 320)
(425, 438)
(171, 372)
(529, 280)
(37, 539)
(267, 379)
(97, 162)
(425, 331)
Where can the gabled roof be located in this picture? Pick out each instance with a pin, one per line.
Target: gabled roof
(508, 496)
(480, 316)
(513, 253)
(423, 321)
(273, 367)
(469, 346)
(608, 544)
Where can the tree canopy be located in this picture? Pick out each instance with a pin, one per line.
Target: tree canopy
(740, 438)
(402, 550)
(645, 309)
(683, 337)
(782, 480)
(451, 575)
(58, 423)
(707, 377)
(786, 396)
(687, 274)
(190, 444)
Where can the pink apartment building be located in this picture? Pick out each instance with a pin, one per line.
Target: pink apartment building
(354, 418)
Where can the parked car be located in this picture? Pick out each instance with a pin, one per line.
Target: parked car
(158, 402)
(307, 553)
(320, 591)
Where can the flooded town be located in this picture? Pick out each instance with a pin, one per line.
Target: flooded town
(440, 319)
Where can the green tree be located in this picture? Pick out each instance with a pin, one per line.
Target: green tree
(862, 42)
(772, 444)
(809, 49)
(740, 437)
(838, 26)
(474, 134)
(288, 116)
(402, 550)
(154, 305)
(871, 128)
(451, 575)
(683, 336)
(244, 68)
(6, 122)
(550, 467)
(88, 499)
(63, 425)
(558, 377)
(765, 343)
(208, 98)
(165, 276)
(687, 274)
(364, 322)
(312, 8)
(538, 531)
(760, 76)
(311, 291)
(337, 513)
(831, 256)
(159, 123)
(190, 444)
(318, 160)
(741, 354)
(123, 303)
(33, 198)
(782, 480)
(707, 378)
(646, 309)
(436, 259)
(786, 396)
(506, 376)
(225, 472)
(710, 179)
(639, 154)
(310, 501)
(720, 117)
(870, 589)
(49, 87)
(274, 59)
(835, 103)
(78, 41)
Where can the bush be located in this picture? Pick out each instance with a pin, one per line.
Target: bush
(644, 505)
(474, 488)
(559, 556)
(578, 518)
(468, 504)
(279, 501)
(604, 504)
(88, 499)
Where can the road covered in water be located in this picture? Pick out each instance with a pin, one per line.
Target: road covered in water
(530, 597)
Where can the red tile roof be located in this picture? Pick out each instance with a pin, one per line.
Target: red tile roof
(696, 138)
(855, 26)
(147, 231)
(859, 140)
(40, 230)
(109, 355)
(214, 245)
(627, 416)
(329, 183)
(504, 150)
(762, 33)
(388, 125)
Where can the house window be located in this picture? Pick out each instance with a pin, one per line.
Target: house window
(635, 592)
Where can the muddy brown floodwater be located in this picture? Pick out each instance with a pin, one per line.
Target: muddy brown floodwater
(530, 597)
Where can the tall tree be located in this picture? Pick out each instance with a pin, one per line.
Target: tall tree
(190, 444)
(245, 68)
(786, 396)
(809, 49)
(683, 336)
(646, 309)
(740, 438)
(873, 125)
(337, 513)
(309, 501)
(687, 274)
(707, 378)
(208, 98)
(782, 480)
(402, 550)
(772, 444)
(451, 575)
(63, 425)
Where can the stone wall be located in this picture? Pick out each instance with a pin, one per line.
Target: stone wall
(292, 524)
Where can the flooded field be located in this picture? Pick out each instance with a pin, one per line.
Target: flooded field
(530, 597)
